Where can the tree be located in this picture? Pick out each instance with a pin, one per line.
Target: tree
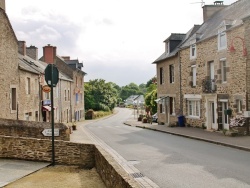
(151, 95)
(100, 95)
(128, 90)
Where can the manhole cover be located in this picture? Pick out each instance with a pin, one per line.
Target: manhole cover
(137, 175)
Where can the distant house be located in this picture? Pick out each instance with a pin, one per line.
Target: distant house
(137, 100)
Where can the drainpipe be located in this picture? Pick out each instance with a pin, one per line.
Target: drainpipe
(181, 102)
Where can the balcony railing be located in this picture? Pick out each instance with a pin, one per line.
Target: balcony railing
(208, 86)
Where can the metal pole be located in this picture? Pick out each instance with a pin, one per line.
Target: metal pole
(52, 117)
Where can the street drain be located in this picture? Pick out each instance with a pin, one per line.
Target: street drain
(137, 175)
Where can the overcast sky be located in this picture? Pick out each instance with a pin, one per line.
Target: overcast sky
(117, 40)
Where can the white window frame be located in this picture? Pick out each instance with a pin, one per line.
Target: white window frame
(171, 73)
(167, 48)
(172, 105)
(223, 63)
(222, 35)
(194, 72)
(239, 105)
(195, 110)
(193, 50)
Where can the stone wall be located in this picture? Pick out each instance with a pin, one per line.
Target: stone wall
(68, 153)
(40, 150)
(31, 129)
(110, 171)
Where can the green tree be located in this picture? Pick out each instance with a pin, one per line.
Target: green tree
(151, 95)
(128, 90)
(100, 95)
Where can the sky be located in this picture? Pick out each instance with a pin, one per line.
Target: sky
(116, 40)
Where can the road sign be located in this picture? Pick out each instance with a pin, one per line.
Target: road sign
(48, 132)
(50, 70)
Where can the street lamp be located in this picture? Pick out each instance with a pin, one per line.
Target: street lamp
(232, 49)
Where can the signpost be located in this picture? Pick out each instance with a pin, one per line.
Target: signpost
(52, 77)
(48, 132)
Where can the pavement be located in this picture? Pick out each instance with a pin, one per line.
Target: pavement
(12, 170)
(216, 137)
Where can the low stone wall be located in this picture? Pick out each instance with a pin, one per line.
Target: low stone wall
(111, 172)
(31, 129)
(68, 153)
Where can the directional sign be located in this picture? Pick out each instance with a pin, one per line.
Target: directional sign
(48, 132)
(50, 70)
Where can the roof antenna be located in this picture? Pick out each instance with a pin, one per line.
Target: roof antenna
(201, 2)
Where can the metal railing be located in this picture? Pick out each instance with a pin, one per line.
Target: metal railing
(208, 85)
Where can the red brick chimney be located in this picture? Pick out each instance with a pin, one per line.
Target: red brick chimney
(32, 52)
(22, 47)
(2, 4)
(49, 54)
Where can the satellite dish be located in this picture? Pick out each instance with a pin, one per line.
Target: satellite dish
(201, 2)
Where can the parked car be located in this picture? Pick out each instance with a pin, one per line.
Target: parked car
(155, 118)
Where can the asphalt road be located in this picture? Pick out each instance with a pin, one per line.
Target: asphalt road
(174, 161)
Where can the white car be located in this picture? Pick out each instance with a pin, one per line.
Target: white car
(155, 118)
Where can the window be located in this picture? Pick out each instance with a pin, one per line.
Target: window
(239, 106)
(28, 116)
(194, 108)
(223, 71)
(76, 97)
(193, 51)
(193, 67)
(65, 95)
(162, 106)
(172, 105)
(68, 96)
(47, 95)
(76, 81)
(222, 40)
(13, 99)
(28, 86)
(171, 73)
(167, 48)
(161, 75)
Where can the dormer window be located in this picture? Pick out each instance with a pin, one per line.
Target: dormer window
(222, 38)
(193, 49)
(167, 50)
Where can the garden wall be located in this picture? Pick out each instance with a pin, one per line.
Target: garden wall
(68, 153)
(31, 129)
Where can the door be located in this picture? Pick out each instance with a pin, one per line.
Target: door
(225, 123)
(212, 115)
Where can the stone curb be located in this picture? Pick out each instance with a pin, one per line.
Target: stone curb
(195, 138)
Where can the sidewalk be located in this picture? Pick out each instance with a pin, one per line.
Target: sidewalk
(239, 142)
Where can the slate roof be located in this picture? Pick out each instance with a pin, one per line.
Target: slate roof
(232, 15)
(182, 37)
(37, 67)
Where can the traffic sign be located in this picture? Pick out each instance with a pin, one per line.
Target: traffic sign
(48, 132)
(50, 70)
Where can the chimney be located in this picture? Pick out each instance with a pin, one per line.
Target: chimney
(66, 58)
(210, 10)
(2, 4)
(49, 54)
(22, 47)
(32, 52)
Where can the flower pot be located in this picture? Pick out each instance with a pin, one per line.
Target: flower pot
(74, 127)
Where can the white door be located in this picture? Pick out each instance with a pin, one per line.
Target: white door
(225, 123)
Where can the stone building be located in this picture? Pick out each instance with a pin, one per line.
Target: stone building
(168, 83)
(214, 81)
(214, 67)
(9, 84)
(73, 103)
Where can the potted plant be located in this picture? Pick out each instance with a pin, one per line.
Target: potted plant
(74, 125)
(144, 120)
(140, 117)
